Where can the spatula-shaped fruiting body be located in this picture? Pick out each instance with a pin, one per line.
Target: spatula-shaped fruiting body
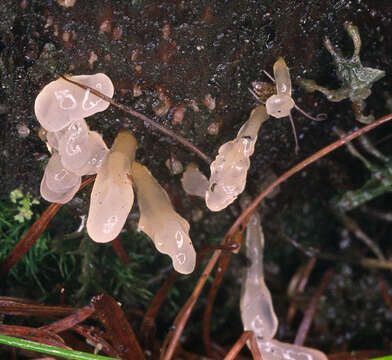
(257, 311)
(61, 102)
(276, 350)
(280, 105)
(230, 167)
(194, 182)
(168, 230)
(58, 184)
(61, 197)
(112, 194)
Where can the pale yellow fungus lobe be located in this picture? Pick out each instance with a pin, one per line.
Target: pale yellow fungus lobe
(194, 182)
(277, 350)
(97, 153)
(257, 311)
(58, 184)
(61, 102)
(281, 104)
(73, 145)
(112, 195)
(230, 167)
(167, 229)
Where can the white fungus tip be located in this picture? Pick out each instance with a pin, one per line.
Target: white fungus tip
(58, 197)
(60, 102)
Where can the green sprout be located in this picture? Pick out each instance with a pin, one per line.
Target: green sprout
(24, 202)
(356, 79)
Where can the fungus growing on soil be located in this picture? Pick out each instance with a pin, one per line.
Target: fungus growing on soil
(194, 182)
(166, 228)
(257, 311)
(112, 195)
(58, 184)
(277, 350)
(230, 167)
(60, 102)
(281, 104)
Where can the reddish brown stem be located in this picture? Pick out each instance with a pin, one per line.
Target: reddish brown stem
(237, 347)
(96, 336)
(144, 118)
(182, 317)
(300, 288)
(33, 234)
(242, 219)
(70, 321)
(221, 269)
(147, 329)
(15, 306)
(117, 327)
(120, 251)
(384, 291)
(311, 310)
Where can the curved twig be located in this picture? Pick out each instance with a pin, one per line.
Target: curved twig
(242, 219)
(142, 117)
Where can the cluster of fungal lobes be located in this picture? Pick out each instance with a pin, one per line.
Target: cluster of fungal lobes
(257, 311)
(61, 108)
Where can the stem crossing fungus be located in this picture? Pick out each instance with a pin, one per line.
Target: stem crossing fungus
(257, 310)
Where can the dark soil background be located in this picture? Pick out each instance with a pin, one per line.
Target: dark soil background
(183, 52)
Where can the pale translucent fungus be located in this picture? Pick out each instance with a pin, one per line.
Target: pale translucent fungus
(230, 167)
(167, 229)
(276, 350)
(51, 138)
(74, 145)
(112, 195)
(282, 77)
(58, 197)
(61, 102)
(59, 179)
(280, 105)
(97, 153)
(194, 182)
(257, 311)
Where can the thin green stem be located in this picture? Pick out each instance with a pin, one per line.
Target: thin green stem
(49, 350)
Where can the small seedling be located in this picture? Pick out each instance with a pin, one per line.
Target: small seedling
(356, 79)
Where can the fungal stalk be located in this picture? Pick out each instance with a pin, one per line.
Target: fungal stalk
(112, 195)
(257, 311)
(166, 228)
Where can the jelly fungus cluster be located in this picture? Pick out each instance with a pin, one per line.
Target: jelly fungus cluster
(61, 108)
(76, 151)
